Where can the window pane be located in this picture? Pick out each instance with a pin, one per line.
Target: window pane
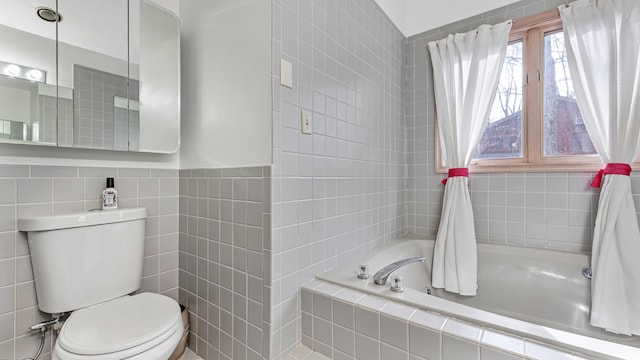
(503, 136)
(564, 130)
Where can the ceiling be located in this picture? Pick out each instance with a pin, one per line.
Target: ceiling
(77, 17)
(417, 16)
(90, 24)
(108, 35)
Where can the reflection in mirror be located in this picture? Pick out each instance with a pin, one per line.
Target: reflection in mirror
(101, 93)
(27, 73)
(18, 108)
(93, 61)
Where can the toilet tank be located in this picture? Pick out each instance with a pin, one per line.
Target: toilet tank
(85, 258)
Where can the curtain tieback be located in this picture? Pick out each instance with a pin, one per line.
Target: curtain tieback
(456, 172)
(610, 169)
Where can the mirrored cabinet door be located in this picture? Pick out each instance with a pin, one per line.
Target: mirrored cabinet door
(28, 71)
(90, 74)
(93, 74)
(154, 60)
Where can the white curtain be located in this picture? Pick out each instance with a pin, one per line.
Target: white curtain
(603, 47)
(466, 71)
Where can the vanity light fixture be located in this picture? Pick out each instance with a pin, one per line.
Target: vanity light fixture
(23, 72)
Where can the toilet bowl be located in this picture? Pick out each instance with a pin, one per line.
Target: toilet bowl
(88, 264)
(143, 326)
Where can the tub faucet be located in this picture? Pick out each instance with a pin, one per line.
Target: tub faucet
(380, 278)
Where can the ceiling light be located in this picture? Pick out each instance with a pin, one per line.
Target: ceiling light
(48, 14)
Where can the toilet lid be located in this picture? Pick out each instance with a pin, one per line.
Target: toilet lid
(118, 324)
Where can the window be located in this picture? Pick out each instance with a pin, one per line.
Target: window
(535, 123)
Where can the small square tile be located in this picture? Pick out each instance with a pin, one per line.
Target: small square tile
(367, 322)
(462, 330)
(493, 354)
(394, 332)
(322, 306)
(398, 310)
(344, 314)
(456, 348)
(502, 341)
(35, 190)
(344, 340)
(367, 348)
(424, 342)
(537, 351)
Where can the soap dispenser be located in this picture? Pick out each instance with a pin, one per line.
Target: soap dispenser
(110, 196)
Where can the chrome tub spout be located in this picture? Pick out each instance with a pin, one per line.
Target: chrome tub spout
(380, 278)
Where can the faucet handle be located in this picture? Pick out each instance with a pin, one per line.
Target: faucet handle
(363, 272)
(397, 284)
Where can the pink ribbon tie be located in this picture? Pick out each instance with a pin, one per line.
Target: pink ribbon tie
(610, 169)
(464, 172)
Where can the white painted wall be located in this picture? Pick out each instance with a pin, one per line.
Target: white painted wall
(416, 16)
(171, 5)
(226, 83)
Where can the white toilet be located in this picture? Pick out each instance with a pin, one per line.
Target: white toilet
(88, 263)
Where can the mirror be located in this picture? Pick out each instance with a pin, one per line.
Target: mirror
(109, 79)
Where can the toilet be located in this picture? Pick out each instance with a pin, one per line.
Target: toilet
(88, 264)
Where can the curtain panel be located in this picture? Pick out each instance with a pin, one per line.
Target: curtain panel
(466, 71)
(602, 38)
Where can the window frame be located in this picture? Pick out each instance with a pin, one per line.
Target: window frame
(530, 30)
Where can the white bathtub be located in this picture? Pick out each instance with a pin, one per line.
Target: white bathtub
(538, 294)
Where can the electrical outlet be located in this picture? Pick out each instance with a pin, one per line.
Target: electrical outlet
(305, 118)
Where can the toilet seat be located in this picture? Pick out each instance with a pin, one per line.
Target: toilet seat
(126, 327)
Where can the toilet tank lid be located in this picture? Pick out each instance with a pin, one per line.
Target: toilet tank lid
(88, 218)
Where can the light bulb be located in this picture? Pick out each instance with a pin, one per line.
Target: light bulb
(12, 70)
(35, 74)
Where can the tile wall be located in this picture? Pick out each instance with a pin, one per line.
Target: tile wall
(547, 210)
(95, 122)
(126, 132)
(343, 324)
(55, 130)
(46, 190)
(339, 192)
(225, 260)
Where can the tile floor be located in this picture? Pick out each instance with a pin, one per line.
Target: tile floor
(304, 353)
(190, 355)
(299, 353)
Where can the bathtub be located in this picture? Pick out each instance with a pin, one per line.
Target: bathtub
(535, 293)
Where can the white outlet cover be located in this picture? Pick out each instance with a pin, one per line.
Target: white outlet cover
(305, 121)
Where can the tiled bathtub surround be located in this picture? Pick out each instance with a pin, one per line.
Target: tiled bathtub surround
(46, 190)
(553, 210)
(338, 192)
(225, 260)
(344, 324)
